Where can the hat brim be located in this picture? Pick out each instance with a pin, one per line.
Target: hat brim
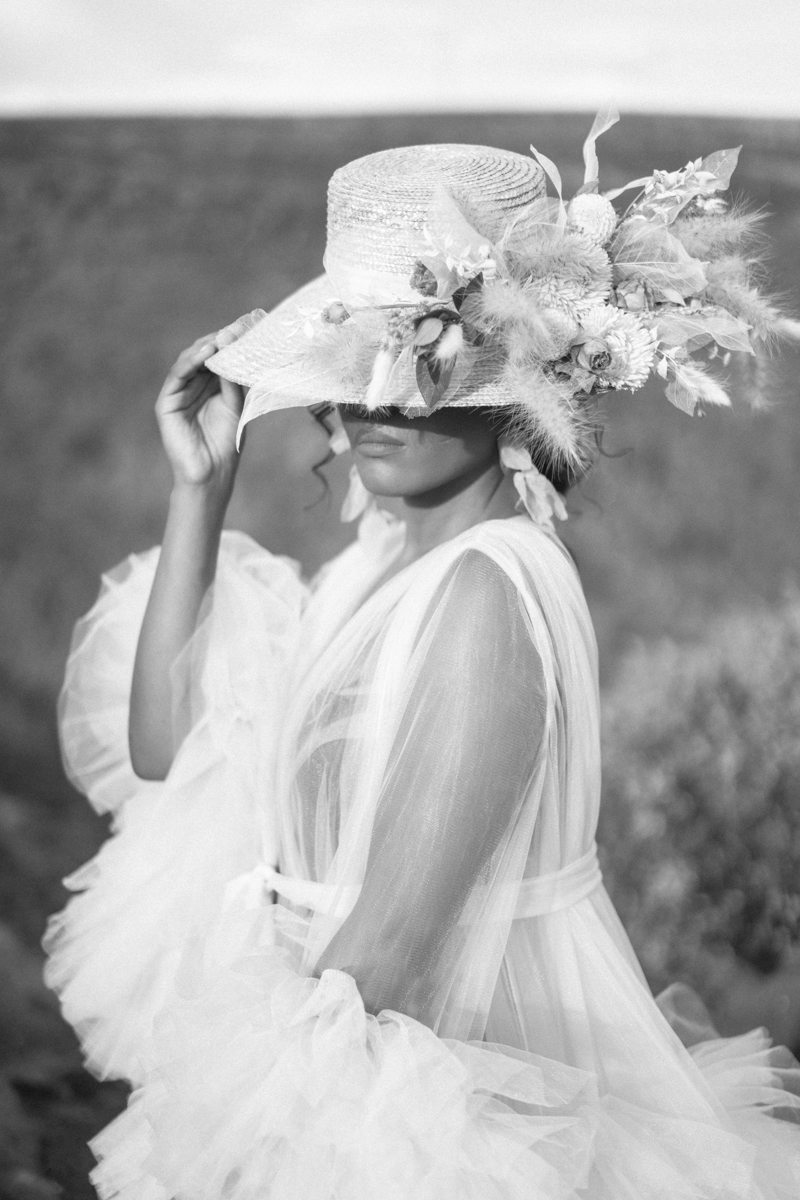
(266, 345)
(276, 360)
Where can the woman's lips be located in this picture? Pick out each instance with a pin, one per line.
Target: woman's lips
(375, 443)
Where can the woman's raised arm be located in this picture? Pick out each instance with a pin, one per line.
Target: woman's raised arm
(198, 415)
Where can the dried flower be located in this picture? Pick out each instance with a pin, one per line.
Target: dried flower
(569, 274)
(423, 279)
(453, 261)
(594, 355)
(335, 313)
(616, 346)
(705, 206)
(401, 324)
(666, 193)
(593, 216)
(632, 294)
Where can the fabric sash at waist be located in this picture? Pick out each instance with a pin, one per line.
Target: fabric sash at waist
(560, 889)
(538, 896)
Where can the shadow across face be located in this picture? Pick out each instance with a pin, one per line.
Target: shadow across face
(397, 455)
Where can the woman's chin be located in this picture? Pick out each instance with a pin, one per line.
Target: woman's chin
(382, 477)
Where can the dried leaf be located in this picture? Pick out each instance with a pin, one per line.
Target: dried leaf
(428, 331)
(469, 290)
(649, 253)
(433, 379)
(694, 330)
(602, 122)
(554, 175)
(722, 163)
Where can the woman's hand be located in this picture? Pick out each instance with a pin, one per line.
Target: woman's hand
(198, 415)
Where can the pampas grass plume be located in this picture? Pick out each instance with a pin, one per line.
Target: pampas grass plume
(788, 328)
(507, 311)
(710, 237)
(381, 370)
(449, 345)
(754, 383)
(729, 286)
(544, 416)
(701, 388)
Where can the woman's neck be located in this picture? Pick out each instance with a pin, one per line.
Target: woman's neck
(437, 516)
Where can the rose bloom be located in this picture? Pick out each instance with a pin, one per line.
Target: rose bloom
(594, 355)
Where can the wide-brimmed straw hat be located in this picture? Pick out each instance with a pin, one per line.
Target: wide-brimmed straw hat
(380, 209)
(452, 279)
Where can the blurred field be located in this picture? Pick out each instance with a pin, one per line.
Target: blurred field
(123, 240)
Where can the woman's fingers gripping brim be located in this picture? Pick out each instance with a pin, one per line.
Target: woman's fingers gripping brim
(187, 383)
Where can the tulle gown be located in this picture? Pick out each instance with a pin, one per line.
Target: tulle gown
(357, 946)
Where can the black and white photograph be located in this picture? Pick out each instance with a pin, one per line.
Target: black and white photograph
(400, 600)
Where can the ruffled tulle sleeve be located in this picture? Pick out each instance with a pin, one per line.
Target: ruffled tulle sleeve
(117, 950)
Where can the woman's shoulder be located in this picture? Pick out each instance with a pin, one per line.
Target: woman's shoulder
(515, 552)
(518, 544)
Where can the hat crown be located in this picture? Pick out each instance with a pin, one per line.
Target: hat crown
(378, 206)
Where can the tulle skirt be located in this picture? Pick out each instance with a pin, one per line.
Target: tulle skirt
(263, 1083)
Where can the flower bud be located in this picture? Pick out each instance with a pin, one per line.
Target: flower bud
(335, 313)
(423, 280)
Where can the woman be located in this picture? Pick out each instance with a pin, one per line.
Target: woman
(404, 756)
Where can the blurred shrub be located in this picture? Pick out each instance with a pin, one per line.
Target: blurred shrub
(701, 816)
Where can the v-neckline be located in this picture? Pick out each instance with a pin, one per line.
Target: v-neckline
(364, 601)
(384, 580)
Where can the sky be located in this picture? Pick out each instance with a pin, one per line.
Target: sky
(359, 56)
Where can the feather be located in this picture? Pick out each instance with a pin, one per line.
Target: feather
(544, 416)
(708, 237)
(344, 353)
(448, 346)
(691, 386)
(381, 371)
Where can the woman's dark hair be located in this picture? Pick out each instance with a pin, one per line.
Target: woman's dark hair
(561, 476)
(320, 413)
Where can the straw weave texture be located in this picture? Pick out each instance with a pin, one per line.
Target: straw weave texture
(377, 203)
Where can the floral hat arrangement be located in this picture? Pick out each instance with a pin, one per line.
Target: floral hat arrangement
(452, 278)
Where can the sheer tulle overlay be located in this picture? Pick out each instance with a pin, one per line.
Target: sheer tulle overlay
(356, 944)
